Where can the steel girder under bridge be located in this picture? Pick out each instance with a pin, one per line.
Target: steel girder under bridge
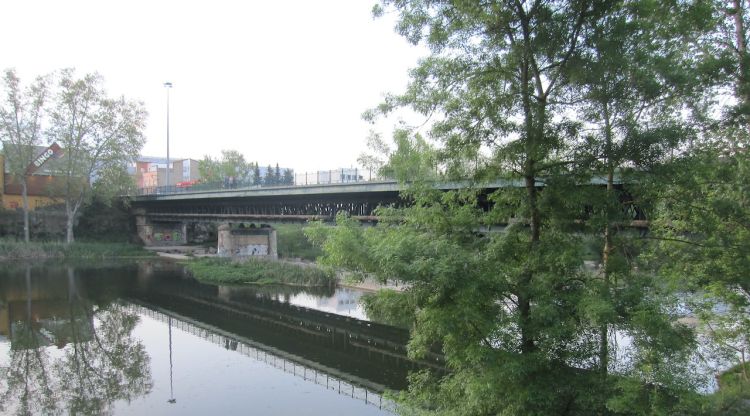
(272, 205)
(292, 203)
(286, 203)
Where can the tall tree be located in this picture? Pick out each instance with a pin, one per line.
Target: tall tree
(515, 313)
(269, 179)
(288, 177)
(705, 212)
(21, 130)
(257, 180)
(633, 75)
(500, 90)
(98, 134)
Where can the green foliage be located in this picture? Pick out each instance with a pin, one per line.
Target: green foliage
(98, 134)
(260, 272)
(256, 175)
(342, 246)
(545, 95)
(411, 159)
(231, 164)
(733, 397)
(292, 243)
(106, 220)
(11, 250)
(21, 130)
(269, 179)
(389, 307)
(288, 177)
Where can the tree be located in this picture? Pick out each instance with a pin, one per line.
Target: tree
(231, 164)
(288, 178)
(704, 214)
(378, 153)
(269, 180)
(257, 180)
(210, 169)
(517, 315)
(21, 130)
(412, 157)
(631, 78)
(277, 175)
(98, 134)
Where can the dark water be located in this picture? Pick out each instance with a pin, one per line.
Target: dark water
(145, 339)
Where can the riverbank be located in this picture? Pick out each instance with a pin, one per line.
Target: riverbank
(257, 271)
(16, 250)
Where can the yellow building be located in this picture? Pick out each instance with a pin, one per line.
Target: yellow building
(41, 186)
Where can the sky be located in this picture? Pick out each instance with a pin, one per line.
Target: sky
(280, 81)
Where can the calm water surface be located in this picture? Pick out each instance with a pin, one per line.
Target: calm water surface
(146, 339)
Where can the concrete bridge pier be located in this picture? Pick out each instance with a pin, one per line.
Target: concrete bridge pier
(247, 241)
(159, 233)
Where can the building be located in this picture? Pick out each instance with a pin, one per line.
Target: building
(43, 186)
(340, 175)
(152, 171)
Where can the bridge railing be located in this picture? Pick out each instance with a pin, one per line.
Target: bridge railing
(327, 177)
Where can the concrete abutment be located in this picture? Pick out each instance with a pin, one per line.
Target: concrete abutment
(159, 233)
(247, 241)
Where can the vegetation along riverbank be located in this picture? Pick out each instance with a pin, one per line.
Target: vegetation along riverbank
(387, 306)
(17, 250)
(259, 272)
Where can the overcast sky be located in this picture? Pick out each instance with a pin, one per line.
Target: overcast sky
(280, 81)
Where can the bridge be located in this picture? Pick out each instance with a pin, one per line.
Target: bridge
(162, 214)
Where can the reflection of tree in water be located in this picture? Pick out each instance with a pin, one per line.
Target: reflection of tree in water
(100, 362)
(26, 380)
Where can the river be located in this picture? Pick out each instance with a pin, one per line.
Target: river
(145, 338)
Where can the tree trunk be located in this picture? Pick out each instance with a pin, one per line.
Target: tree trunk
(607, 250)
(25, 197)
(743, 90)
(70, 214)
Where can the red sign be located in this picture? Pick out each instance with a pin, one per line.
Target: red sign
(187, 184)
(53, 151)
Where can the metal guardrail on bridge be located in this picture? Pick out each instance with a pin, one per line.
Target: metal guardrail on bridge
(329, 177)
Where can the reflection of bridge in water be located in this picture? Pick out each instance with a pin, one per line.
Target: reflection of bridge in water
(330, 378)
(365, 358)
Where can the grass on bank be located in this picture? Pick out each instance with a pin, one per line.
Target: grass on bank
(17, 250)
(256, 271)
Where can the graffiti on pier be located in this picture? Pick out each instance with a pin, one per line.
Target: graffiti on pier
(252, 250)
(168, 236)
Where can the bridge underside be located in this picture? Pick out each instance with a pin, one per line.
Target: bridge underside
(290, 208)
(167, 214)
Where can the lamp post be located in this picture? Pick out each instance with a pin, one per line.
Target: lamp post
(168, 86)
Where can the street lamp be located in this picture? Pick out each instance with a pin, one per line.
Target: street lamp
(168, 86)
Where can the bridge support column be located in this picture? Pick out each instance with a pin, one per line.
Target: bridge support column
(243, 242)
(159, 234)
(143, 227)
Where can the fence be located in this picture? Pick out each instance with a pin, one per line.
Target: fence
(323, 177)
